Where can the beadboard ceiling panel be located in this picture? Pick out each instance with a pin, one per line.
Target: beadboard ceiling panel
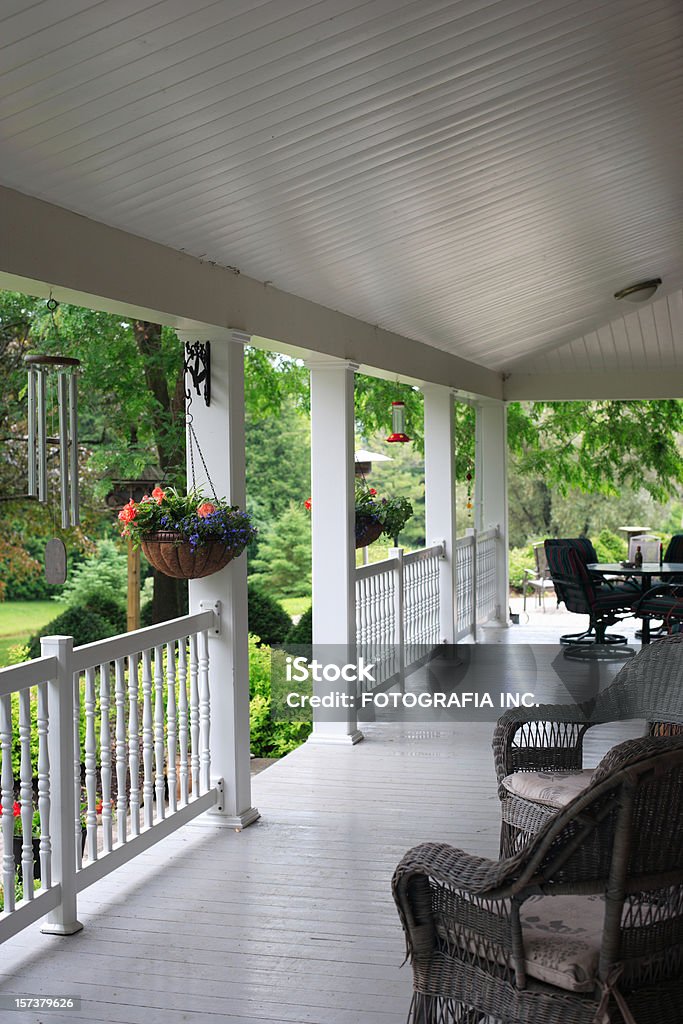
(479, 176)
(647, 337)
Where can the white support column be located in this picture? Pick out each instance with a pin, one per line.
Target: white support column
(220, 432)
(439, 433)
(491, 490)
(333, 524)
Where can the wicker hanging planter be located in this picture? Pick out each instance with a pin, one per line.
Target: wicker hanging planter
(368, 531)
(170, 553)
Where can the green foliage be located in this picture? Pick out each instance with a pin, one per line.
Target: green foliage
(520, 559)
(268, 620)
(283, 565)
(18, 653)
(268, 737)
(609, 547)
(110, 609)
(278, 461)
(16, 747)
(83, 625)
(599, 446)
(105, 572)
(18, 890)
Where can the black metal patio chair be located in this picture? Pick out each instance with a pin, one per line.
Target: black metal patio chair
(664, 601)
(603, 602)
(582, 926)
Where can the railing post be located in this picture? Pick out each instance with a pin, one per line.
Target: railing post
(472, 534)
(399, 611)
(63, 919)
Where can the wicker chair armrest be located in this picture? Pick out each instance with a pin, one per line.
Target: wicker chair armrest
(553, 738)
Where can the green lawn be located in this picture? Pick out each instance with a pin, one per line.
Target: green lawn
(19, 620)
(296, 605)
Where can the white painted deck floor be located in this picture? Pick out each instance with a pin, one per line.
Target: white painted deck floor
(292, 920)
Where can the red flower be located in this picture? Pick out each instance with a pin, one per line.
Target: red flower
(16, 809)
(158, 494)
(372, 491)
(128, 512)
(308, 504)
(98, 807)
(205, 509)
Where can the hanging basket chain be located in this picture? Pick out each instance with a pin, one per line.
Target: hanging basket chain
(194, 443)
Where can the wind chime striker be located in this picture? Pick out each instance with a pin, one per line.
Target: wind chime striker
(398, 423)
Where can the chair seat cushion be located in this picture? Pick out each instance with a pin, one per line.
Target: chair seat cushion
(554, 789)
(562, 936)
(615, 597)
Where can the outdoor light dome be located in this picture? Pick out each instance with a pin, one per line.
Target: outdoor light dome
(640, 292)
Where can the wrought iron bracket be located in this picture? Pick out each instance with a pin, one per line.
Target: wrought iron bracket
(197, 364)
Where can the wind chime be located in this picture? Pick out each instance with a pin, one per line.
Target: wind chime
(51, 376)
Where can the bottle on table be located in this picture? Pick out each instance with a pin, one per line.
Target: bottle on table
(638, 558)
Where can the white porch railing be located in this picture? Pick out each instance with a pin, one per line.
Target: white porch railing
(476, 580)
(397, 610)
(121, 725)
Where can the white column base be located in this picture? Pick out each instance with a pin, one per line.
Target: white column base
(348, 739)
(236, 822)
(61, 929)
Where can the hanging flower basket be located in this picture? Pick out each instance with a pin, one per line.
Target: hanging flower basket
(376, 516)
(184, 535)
(172, 554)
(368, 530)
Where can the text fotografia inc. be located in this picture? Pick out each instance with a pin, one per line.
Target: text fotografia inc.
(395, 701)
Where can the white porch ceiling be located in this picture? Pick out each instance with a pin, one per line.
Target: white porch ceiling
(477, 176)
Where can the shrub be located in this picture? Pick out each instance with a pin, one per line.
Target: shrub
(610, 547)
(80, 623)
(268, 736)
(110, 609)
(302, 632)
(520, 559)
(267, 618)
(106, 572)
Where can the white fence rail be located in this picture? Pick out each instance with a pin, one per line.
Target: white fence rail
(104, 750)
(476, 580)
(397, 610)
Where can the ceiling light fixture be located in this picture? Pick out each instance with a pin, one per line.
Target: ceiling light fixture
(640, 292)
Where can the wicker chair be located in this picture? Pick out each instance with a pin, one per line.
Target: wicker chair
(604, 603)
(549, 739)
(582, 926)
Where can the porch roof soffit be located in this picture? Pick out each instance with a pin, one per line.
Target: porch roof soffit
(88, 263)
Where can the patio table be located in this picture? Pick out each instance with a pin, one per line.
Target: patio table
(644, 575)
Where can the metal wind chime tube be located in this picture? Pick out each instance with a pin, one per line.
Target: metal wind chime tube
(62, 398)
(42, 435)
(67, 441)
(32, 480)
(73, 431)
